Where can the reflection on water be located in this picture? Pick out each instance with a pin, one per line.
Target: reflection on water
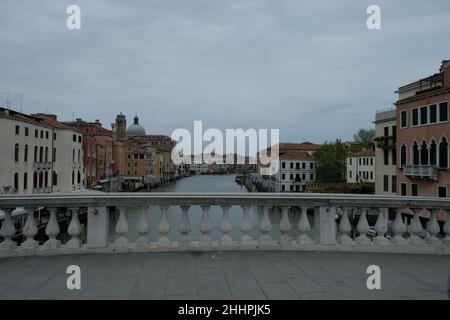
(204, 183)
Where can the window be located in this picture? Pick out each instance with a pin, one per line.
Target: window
(73, 177)
(443, 153)
(359, 161)
(386, 183)
(394, 132)
(291, 176)
(403, 119)
(54, 154)
(16, 152)
(55, 179)
(350, 161)
(42, 134)
(292, 165)
(283, 177)
(415, 117)
(283, 165)
(297, 165)
(291, 187)
(46, 154)
(35, 184)
(41, 154)
(386, 156)
(78, 177)
(415, 154)
(414, 190)
(46, 179)
(54, 136)
(371, 175)
(433, 113)
(283, 188)
(79, 139)
(25, 154)
(443, 111)
(394, 184)
(303, 176)
(403, 189)
(41, 179)
(433, 153)
(424, 115)
(303, 165)
(371, 161)
(26, 131)
(311, 176)
(25, 181)
(74, 138)
(36, 133)
(35, 153)
(394, 156)
(17, 130)
(16, 181)
(311, 165)
(442, 192)
(350, 174)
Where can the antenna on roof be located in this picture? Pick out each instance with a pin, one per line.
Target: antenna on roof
(8, 103)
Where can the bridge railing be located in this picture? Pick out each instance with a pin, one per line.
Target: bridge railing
(330, 228)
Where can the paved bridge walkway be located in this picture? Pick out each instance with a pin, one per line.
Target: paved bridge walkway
(226, 275)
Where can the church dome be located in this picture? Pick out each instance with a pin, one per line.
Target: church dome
(135, 130)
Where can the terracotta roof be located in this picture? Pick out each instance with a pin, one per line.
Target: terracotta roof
(364, 153)
(55, 123)
(296, 155)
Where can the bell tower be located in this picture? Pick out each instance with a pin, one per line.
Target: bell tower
(121, 126)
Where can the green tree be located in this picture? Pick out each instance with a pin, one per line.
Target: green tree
(330, 162)
(365, 137)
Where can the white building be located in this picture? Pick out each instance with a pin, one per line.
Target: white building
(385, 152)
(39, 155)
(296, 169)
(361, 166)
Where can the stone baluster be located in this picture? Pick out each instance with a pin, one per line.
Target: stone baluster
(416, 229)
(29, 231)
(205, 227)
(52, 231)
(381, 227)
(164, 228)
(398, 229)
(363, 228)
(433, 229)
(121, 229)
(185, 226)
(446, 229)
(246, 226)
(345, 228)
(304, 227)
(285, 227)
(225, 226)
(74, 230)
(8, 231)
(265, 226)
(143, 228)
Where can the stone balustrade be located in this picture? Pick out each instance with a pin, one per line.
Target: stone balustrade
(323, 222)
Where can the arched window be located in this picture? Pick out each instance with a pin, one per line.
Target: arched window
(41, 179)
(73, 177)
(16, 181)
(423, 154)
(403, 155)
(46, 154)
(78, 177)
(55, 179)
(41, 154)
(35, 178)
(46, 179)
(415, 154)
(433, 151)
(16, 152)
(443, 153)
(35, 153)
(25, 154)
(25, 181)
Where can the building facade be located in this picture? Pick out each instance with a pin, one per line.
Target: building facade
(422, 112)
(361, 166)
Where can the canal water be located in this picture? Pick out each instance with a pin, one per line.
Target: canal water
(203, 183)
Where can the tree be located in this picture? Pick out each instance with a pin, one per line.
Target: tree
(330, 162)
(365, 137)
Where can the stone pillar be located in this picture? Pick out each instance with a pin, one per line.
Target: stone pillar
(325, 225)
(97, 227)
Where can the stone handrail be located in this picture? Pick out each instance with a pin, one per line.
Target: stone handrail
(325, 233)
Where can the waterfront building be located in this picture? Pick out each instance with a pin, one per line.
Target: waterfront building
(361, 166)
(422, 112)
(386, 152)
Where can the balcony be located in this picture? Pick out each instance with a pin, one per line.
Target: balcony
(37, 166)
(256, 228)
(421, 171)
(385, 142)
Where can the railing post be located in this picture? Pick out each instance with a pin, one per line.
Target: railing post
(325, 225)
(97, 227)
(363, 228)
(381, 227)
(164, 228)
(265, 226)
(398, 229)
(225, 226)
(416, 229)
(185, 227)
(304, 227)
(433, 229)
(29, 231)
(8, 231)
(205, 227)
(285, 227)
(74, 230)
(52, 231)
(345, 228)
(142, 228)
(246, 226)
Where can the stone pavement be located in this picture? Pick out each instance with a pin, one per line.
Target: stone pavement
(226, 275)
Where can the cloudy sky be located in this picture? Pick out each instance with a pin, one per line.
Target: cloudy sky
(308, 67)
